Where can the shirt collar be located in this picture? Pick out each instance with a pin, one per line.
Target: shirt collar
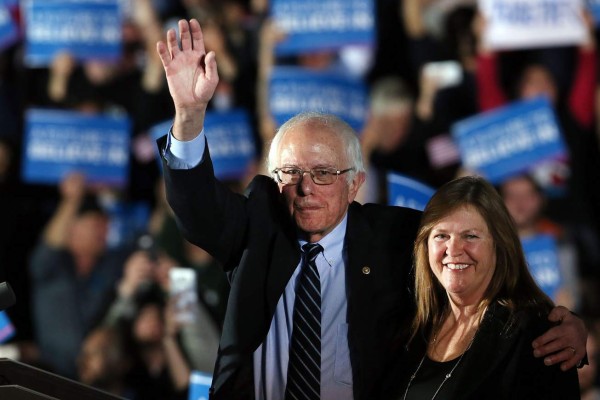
(333, 242)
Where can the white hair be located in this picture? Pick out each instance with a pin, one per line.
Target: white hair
(330, 122)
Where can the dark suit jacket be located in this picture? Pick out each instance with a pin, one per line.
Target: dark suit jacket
(255, 239)
(499, 365)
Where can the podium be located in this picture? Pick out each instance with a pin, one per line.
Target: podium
(20, 381)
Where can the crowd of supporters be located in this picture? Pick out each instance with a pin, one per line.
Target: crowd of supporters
(96, 308)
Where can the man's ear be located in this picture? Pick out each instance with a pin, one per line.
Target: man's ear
(354, 185)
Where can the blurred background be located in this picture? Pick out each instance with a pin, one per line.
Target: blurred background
(110, 294)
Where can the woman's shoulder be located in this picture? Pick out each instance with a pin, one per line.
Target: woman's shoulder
(530, 320)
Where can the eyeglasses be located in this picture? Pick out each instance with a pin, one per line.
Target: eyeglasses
(320, 176)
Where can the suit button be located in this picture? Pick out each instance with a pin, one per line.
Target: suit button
(366, 270)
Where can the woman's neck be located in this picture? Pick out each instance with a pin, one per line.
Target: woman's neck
(455, 333)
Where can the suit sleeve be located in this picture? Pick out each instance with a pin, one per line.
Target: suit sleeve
(208, 213)
(534, 380)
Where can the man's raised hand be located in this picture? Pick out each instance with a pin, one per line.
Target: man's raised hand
(192, 77)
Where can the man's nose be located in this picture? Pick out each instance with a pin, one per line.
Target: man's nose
(306, 184)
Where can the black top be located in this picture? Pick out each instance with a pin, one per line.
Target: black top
(429, 378)
(499, 365)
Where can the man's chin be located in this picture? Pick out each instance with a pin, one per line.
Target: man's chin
(308, 228)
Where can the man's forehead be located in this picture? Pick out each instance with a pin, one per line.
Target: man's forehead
(314, 152)
(315, 134)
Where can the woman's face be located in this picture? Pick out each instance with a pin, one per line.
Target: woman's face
(461, 255)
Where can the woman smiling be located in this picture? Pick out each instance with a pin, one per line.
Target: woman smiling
(478, 307)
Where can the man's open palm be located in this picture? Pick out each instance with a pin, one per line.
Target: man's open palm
(191, 73)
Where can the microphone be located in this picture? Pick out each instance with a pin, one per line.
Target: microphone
(7, 296)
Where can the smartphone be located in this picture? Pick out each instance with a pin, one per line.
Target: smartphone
(445, 73)
(183, 291)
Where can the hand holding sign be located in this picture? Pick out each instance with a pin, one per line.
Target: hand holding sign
(72, 187)
(513, 24)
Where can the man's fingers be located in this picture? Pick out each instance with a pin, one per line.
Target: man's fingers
(196, 35)
(549, 348)
(163, 53)
(558, 313)
(563, 344)
(568, 358)
(172, 44)
(546, 343)
(210, 63)
(184, 34)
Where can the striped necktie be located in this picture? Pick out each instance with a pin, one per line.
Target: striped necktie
(304, 368)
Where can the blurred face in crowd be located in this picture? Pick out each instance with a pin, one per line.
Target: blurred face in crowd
(164, 263)
(100, 72)
(462, 255)
(100, 362)
(88, 234)
(148, 327)
(317, 209)
(522, 200)
(537, 81)
(394, 126)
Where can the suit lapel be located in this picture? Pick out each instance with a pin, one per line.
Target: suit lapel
(360, 271)
(359, 265)
(286, 256)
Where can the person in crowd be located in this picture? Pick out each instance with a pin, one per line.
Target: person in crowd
(132, 86)
(22, 208)
(165, 348)
(104, 362)
(531, 77)
(213, 287)
(525, 201)
(151, 375)
(73, 274)
(145, 274)
(395, 139)
(438, 31)
(478, 307)
(291, 233)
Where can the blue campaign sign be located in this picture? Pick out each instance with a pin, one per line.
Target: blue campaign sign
(541, 253)
(58, 142)
(88, 29)
(594, 8)
(293, 90)
(7, 330)
(312, 25)
(509, 140)
(230, 140)
(199, 385)
(9, 32)
(404, 191)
